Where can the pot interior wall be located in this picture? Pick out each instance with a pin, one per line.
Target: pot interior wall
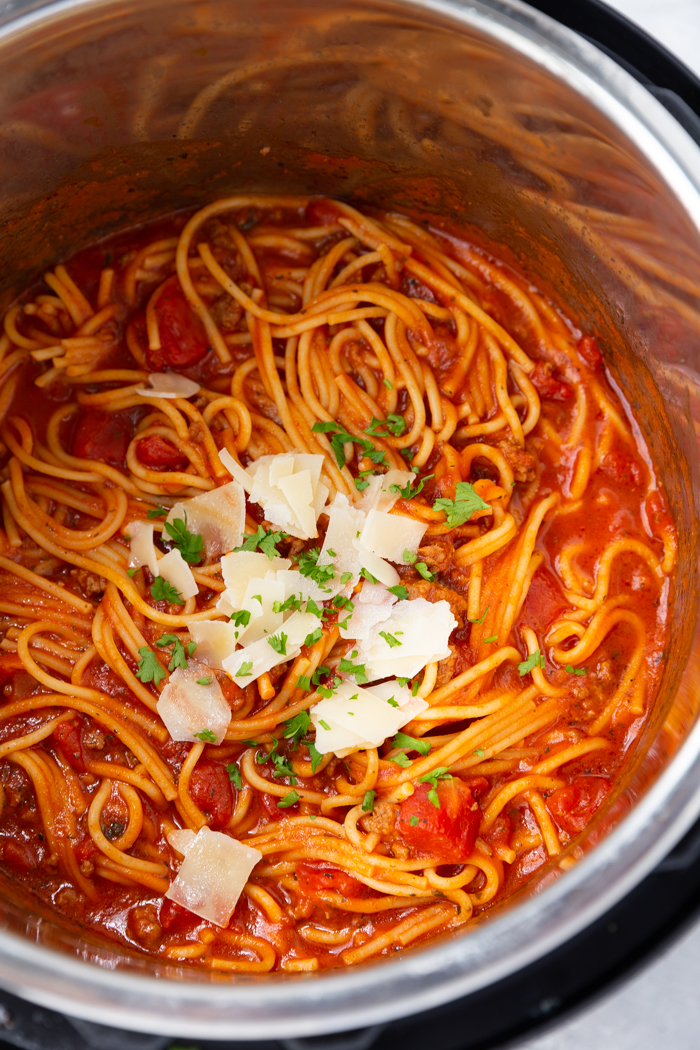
(115, 112)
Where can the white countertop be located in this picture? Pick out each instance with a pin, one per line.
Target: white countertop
(659, 1007)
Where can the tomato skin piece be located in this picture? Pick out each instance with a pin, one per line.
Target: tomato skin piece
(69, 740)
(447, 833)
(322, 212)
(210, 789)
(590, 351)
(543, 603)
(158, 454)
(19, 854)
(312, 880)
(103, 435)
(547, 385)
(574, 805)
(183, 337)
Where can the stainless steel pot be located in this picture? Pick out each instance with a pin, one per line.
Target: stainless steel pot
(499, 120)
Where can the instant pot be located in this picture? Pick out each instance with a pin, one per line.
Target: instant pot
(578, 159)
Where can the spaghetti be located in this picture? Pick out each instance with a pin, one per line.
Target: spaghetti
(377, 344)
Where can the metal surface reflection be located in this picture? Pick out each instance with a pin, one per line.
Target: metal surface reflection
(494, 120)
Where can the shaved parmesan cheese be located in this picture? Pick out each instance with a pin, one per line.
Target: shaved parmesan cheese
(381, 570)
(422, 630)
(253, 660)
(173, 568)
(187, 707)
(295, 583)
(240, 567)
(218, 516)
(287, 486)
(378, 494)
(345, 525)
(169, 384)
(389, 535)
(356, 717)
(212, 875)
(259, 598)
(181, 839)
(215, 640)
(142, 551)
(372, 606)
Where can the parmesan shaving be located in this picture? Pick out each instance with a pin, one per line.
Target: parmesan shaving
(215, 640)
(240, 567)
(356, 717)
(142, 550)
(212, 875)
(187, 707)
(218, 516)
(420, 631)
(169, 385)
(173, 568)
(256, 659)
(378, 494)
(389, 535)
(287, 486)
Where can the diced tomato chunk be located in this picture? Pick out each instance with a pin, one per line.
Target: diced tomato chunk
(68, 738)
(233, 694)
(312, 880)
(590, 351)
(547, 385)
(183, 337)
(85, 850)
(543, 603)
(170, 912)
(574, 805)
(269, 804)
(448, 832)
(103, 435)
(158, 454)
(621, 467)
(210, 788)
(19, 854)
(322, 212)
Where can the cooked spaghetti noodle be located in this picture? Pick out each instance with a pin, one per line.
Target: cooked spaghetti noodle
(379, 344)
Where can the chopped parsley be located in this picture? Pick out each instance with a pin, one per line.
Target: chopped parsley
(264, 541)
(402, 760)
(411, 743)
(207, 736)
(149, 670)
(393, 703)
(295, 728)
(178, 657)
(368, 576)
(534, 660)
(314, 754)
(308, 566)
(314, 637)
(481, 618)
(132, 572)
(410, 490)
(493, 638)
(399, 591)
(576, 670)
(394, 424)
(479, 752)
(319, 673)
(189, 545)
(329, 688)
(346, 577)
(303, 682)
(241, 619)
(245, 670)
(356, 670)
(324, 725)
(387, 384)
(204, 681)
(158, 512)
(162, 591)
(278, 643)
(420, 566)
(460, 510)
(340, 438)
(390, 640)
(413, 821)
(292, 602)
(440, 773)
(361, 481)
(234, 775)
(288, 800)
(368, 801)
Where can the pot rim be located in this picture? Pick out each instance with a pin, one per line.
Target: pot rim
(375, 993)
